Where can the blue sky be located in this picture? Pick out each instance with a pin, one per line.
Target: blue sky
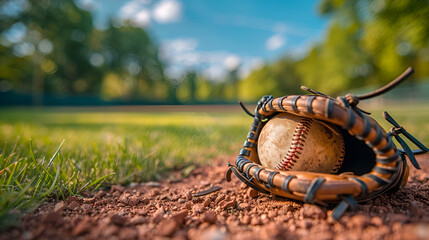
(216, 36)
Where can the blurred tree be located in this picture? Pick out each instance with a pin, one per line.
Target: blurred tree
(286, 72)
(56, 36)
(15, 68)
(186, 91)
(277, 79)
(231, 85)
(260, 82)
(337, 64)
(129, 52)
(397, 35)
(192, 85)
(203, 89)
(382, 39)
(49, 46)
(69, 56)
(367, 43)
(15, 71)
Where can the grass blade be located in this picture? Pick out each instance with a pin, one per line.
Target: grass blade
(55, 154)
(96, 182)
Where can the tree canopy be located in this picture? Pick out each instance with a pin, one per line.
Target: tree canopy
(53, 47)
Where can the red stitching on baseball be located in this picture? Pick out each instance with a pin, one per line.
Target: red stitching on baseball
(298, 140)
(340, 161)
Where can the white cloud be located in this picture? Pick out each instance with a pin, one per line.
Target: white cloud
(182, 54)
(180, 50)
(215, 71)
(275, 42)
(180, 45)
(167, 11)
(257, 63)
(137, 12)
(89, 5)
(142, 18)
(249, 64)
(140, 13)
(130, 8)
(232, 62)
(174, 72)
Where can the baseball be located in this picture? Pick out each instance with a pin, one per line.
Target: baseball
(289, 142)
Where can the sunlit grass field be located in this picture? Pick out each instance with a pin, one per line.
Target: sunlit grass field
(57, 152)
(104, 147)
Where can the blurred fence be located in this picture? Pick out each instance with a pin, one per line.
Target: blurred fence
(406, 93)
(24, 99)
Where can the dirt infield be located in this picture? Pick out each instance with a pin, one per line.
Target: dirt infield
(170, 209)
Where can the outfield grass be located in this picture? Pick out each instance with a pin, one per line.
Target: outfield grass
(106, 147)
(414, 117)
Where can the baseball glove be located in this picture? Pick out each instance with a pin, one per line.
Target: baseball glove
(372, 163)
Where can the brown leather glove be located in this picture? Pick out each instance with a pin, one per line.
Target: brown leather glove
(372, 164)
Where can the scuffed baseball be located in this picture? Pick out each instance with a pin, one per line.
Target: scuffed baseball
(289, 142)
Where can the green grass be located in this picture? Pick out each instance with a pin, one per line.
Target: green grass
(103, 148)
(414, 117)
(54, 152)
